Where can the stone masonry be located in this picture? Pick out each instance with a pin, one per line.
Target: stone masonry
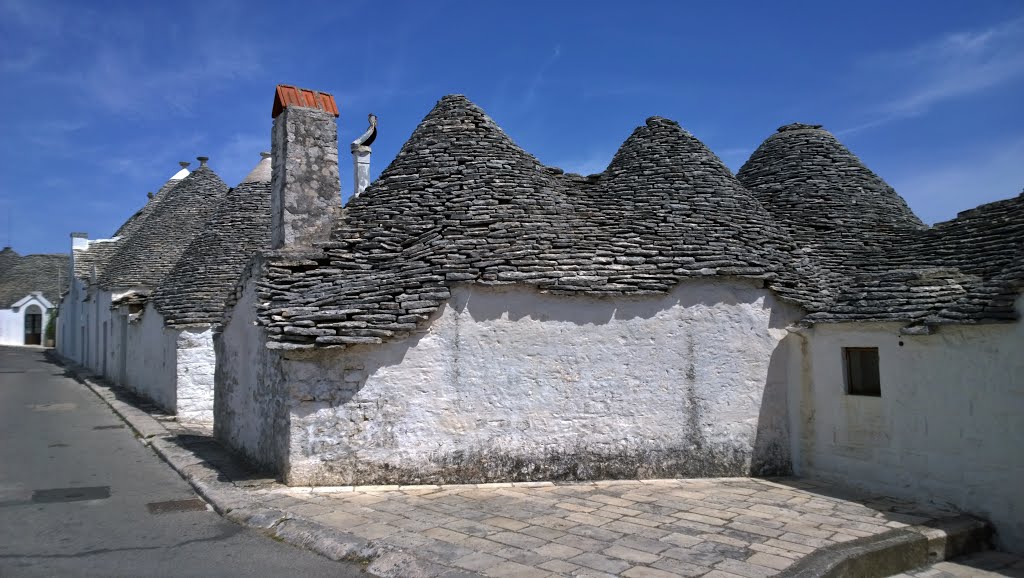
(305, 165)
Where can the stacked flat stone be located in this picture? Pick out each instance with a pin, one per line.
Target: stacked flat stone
(878, 258)
(147, 253)
(967, 270)
(837, 209)
(196, 289)
(93, 261)
(135, 221)
(461, 203)
(22, 275)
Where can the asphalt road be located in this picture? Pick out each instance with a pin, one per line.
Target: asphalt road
(75, 489)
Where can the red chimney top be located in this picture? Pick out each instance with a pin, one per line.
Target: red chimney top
(288, 95)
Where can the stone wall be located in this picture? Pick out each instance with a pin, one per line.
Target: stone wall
(948, 426)
(250, 406)
(195, 368)
(510, 384)
(304, 179)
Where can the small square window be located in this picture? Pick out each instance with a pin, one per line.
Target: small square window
(861, 367)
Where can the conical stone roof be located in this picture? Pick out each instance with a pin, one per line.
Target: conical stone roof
(462, 203)
(967, 270)
(22, 275)
(149, 252)
(842, 215)
(196, 289)
(133, 222)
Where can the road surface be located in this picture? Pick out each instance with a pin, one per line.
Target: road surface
(81, 496)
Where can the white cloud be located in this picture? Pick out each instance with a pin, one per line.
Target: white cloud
(936, 192)
(953, 66)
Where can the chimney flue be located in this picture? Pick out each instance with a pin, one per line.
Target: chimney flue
(305, 188)
(361, 156)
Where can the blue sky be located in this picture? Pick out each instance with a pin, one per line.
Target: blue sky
(101, 99)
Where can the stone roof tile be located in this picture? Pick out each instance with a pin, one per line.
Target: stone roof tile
(196, 289)
(22, 275)
(150, 249)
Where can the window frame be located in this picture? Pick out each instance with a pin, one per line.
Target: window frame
(862, 390)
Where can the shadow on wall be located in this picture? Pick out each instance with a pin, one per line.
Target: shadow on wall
(597, 310)
(771, 456)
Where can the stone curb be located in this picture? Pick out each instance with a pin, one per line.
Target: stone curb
(232, 503)
(879, 556)
(896, 551)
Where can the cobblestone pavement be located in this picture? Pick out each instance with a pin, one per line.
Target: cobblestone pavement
(983, 564)
(721, 528)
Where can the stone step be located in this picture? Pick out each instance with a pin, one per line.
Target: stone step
(897, 551)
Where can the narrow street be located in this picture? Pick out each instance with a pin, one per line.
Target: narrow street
(81, 496)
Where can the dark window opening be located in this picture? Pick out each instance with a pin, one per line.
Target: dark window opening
(134, 308)
(861, 366)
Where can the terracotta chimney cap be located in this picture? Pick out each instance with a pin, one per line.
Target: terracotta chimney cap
(287, 95)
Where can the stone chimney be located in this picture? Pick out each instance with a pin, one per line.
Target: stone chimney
(361, 157)
(79, 241)
(305, 187)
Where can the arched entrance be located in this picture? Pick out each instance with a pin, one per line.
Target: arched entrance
(33, 325)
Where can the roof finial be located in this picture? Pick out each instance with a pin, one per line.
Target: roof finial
(202, 161)
(265, 155)
(184, 164)
(361, 156)
(149, 195)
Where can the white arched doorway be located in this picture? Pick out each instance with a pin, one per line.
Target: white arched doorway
(33, 325)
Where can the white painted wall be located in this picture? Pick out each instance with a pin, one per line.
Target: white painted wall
(12, 320)
(151, 368)
(512, 384)
(949, 425)
(250, 403)
(195, 364)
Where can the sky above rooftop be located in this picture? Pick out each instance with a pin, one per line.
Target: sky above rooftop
(102, 99)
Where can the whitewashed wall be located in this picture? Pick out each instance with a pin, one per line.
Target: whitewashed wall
(152, 359)
(250, 403)
(512, 384)
(71, 319)
(195, 364)
(949, 425)
(12, 321)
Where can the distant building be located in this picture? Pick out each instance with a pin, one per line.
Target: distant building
(30, 286)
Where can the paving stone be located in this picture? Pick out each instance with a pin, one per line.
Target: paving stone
(771, 561)
(631, 555)
(559, 566)
(645, 544)
(506, 523)
(681, 568)
(582, 543)
(521, 556)
(514, 569)
(745, 569)
(558, 551)
(647, 572)
(600, 562)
